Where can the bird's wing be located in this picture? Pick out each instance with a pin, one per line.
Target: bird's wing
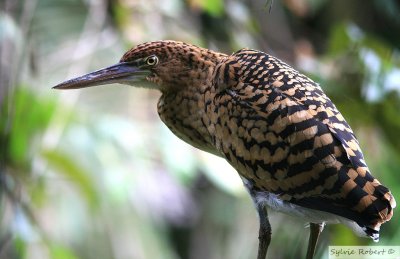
(279, 129)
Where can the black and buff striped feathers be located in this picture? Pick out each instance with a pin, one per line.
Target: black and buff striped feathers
(275, 126)
(285, 136)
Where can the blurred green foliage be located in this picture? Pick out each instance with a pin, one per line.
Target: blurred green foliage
(31, 116)
(212, 7)
(91, 174)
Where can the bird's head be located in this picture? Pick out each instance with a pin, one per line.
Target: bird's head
(164, 65)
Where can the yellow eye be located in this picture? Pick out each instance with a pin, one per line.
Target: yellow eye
(152, 61)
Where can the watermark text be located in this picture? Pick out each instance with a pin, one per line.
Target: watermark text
(364, 252)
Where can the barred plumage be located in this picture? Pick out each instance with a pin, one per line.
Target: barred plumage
(275, 126)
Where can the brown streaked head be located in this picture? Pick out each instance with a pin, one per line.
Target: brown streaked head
(164, 65)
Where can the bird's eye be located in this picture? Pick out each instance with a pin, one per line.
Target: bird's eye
(152, 61)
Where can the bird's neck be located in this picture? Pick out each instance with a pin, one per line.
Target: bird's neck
(183, 107)
(184, 113)
(191, 74)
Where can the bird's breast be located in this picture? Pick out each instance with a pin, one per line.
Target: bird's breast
(184, 114)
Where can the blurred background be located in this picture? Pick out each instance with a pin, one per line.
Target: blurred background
(94, 173)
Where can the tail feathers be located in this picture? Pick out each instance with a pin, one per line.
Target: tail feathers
(384, 204)
(383, 207)
(392, 202)
(366, 219)
(372, 233)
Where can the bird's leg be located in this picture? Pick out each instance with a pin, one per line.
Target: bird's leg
(264, 234)
(315, 230)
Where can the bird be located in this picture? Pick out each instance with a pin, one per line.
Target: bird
(292, 148)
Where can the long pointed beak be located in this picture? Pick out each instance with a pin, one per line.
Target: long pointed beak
(124, 72)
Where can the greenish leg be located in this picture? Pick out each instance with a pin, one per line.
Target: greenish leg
(264, 234)
(315, 231)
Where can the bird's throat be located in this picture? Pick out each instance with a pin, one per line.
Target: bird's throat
(185, 115)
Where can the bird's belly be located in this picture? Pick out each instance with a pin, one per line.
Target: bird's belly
(273, 202)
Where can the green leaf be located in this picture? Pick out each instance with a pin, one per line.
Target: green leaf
(339, 39)
(68, 167)
(121, 14)
(60, 252)
(30, 117)
(213, 7)
(20, 247)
